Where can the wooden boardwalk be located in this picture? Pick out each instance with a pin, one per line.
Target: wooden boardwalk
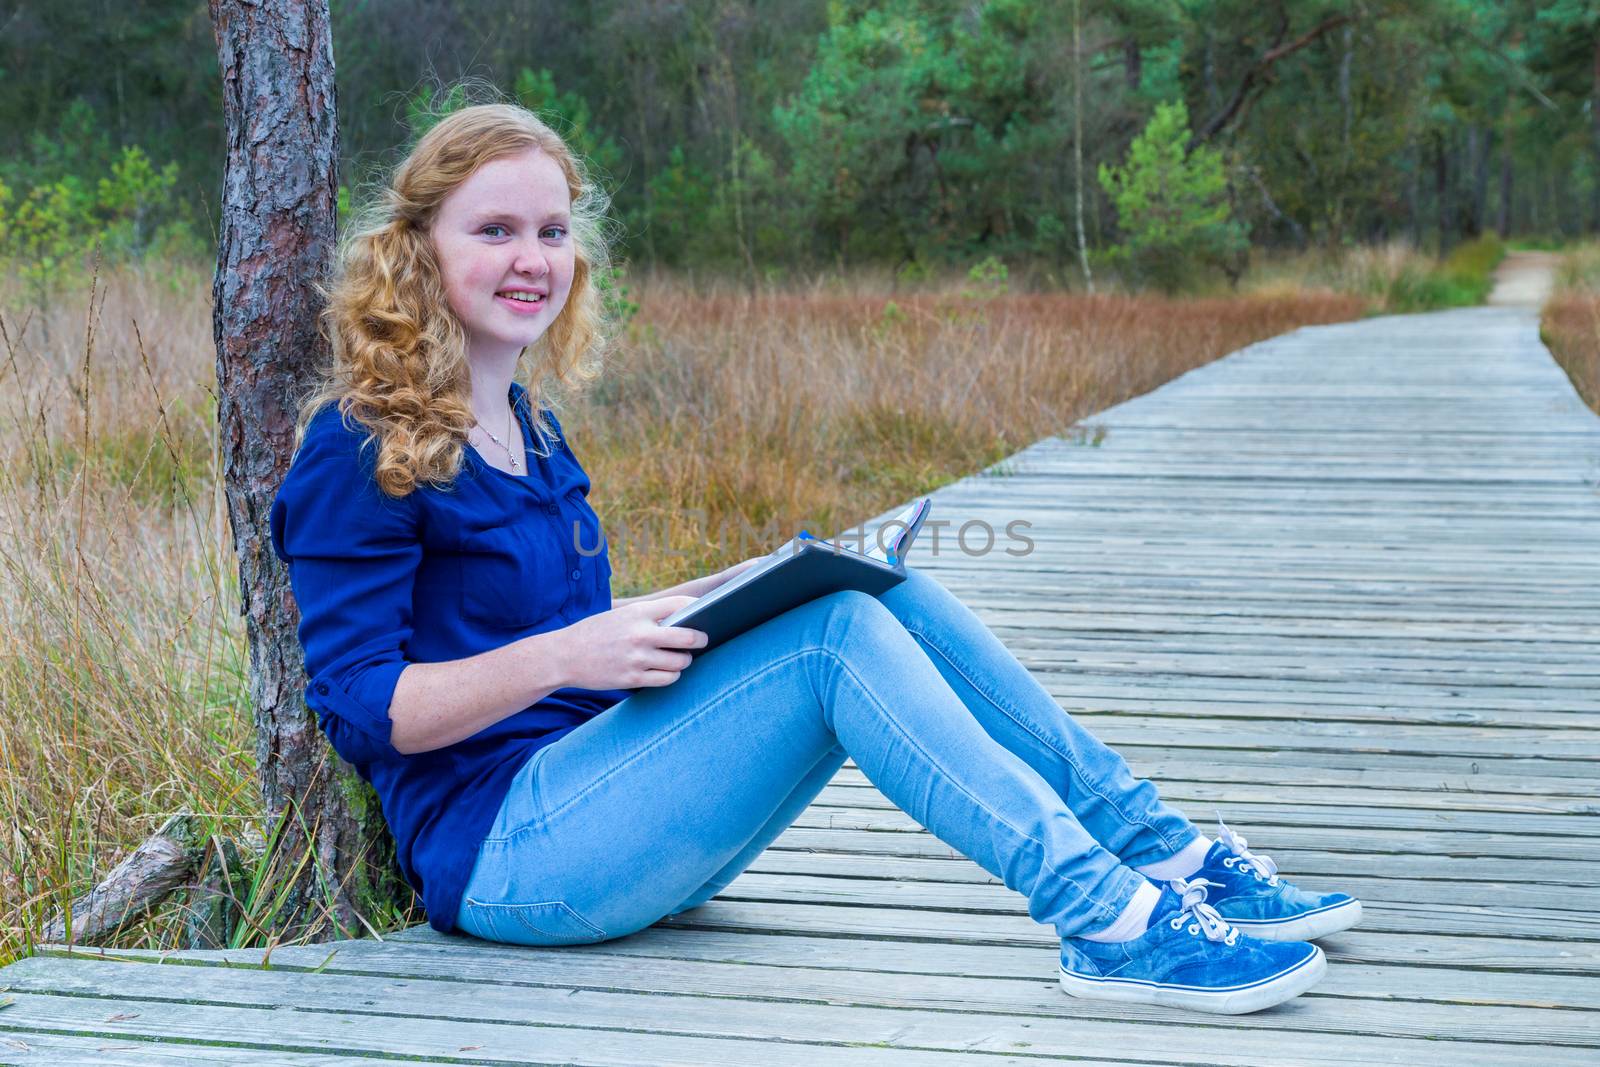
(1343, 586)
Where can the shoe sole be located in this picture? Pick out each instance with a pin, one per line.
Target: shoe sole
(1330, 920)
(1236, 1000)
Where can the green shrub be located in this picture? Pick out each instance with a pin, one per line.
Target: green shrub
(1172, 205)
(52, 232)
(987, 278)
(1462, 279)
(130, 200)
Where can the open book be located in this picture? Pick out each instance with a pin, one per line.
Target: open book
(800, 571)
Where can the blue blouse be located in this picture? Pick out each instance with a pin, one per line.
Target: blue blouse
(437, 575)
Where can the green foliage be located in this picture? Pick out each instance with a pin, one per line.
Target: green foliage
(988, 278)
(765, 139)
(678, 199)
(1462, 279)
(1172, 204)
(40, 238)
(77, 143)
(912, 273)
(926, 131)
(70, 192)
(427, 106)
(614, 291)
(131, 199)
(568, 114)
(137, 460)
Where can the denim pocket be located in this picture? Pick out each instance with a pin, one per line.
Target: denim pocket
(548, 923)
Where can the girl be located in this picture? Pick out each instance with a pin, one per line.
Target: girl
(556, 767)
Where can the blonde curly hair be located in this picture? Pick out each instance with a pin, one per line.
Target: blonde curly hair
(399, 362)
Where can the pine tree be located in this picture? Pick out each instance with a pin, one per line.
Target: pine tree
(1172, 204)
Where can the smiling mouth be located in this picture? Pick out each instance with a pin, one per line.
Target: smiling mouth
(522, 298)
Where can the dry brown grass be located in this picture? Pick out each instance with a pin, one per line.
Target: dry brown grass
(1571, 322)
(784, 411)
(122, 678)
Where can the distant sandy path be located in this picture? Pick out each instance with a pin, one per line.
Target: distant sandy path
(1524, 279)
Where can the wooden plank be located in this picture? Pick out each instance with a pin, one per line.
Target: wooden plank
(1540, 664)
(1301, 629)
(797, 869)
(1061, 1027)
(1392, 768)
(1159, 704)
(27, 1048)
(887, 836)
(957, 902)
(1545, 876)
(1120, 596)
(1483, 891)
(1415, 739)
(469, 1041)
(1416, 866)
(1076, 690)
(1525, 683)
(1376, 941)
(927, 975)
(1500, 834)
(1292, 769)
(1196, 795)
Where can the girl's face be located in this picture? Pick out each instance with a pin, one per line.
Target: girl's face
(504, 244)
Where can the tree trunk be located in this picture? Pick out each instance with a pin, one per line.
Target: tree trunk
(1441, 190)
(1481, 146)
(1535, 198)
(1077, 138)
(1507, 139)
(331, 852)
(1132, 57)
(1414, 192)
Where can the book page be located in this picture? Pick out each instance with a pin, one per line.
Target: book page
(894, 531)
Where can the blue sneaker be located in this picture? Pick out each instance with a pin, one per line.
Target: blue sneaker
(1251, 896)
(1190, 958)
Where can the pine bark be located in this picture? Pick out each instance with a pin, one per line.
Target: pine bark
(330, 848)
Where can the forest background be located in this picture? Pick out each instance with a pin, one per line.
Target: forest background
(766, 138)
(856, 239)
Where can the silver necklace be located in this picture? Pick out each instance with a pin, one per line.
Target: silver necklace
(512, 456)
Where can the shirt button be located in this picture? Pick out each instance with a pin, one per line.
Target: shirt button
(322, 688)
(552, 509)
(576, 575)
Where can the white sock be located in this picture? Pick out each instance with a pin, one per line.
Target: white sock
(1181, 865)
(1135, 918)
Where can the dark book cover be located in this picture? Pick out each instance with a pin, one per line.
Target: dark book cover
(802, 570)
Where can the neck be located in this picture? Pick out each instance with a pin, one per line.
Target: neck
(491, 388)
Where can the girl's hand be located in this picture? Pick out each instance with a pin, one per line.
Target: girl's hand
(626, 647)
(697, 587)
(726, 573)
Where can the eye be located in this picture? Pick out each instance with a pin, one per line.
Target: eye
(553, 233)
(494, 226)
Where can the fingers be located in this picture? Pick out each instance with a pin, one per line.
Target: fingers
(665, 666)
(672, 636)
(679, 637)
(662, 606)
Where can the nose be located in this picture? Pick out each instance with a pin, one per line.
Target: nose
(531, 260)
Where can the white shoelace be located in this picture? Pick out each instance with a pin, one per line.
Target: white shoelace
(1201, 917)
(1262, 867)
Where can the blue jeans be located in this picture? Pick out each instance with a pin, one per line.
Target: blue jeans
(656, 804)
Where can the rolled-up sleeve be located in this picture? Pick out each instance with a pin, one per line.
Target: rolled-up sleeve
(353, 554)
